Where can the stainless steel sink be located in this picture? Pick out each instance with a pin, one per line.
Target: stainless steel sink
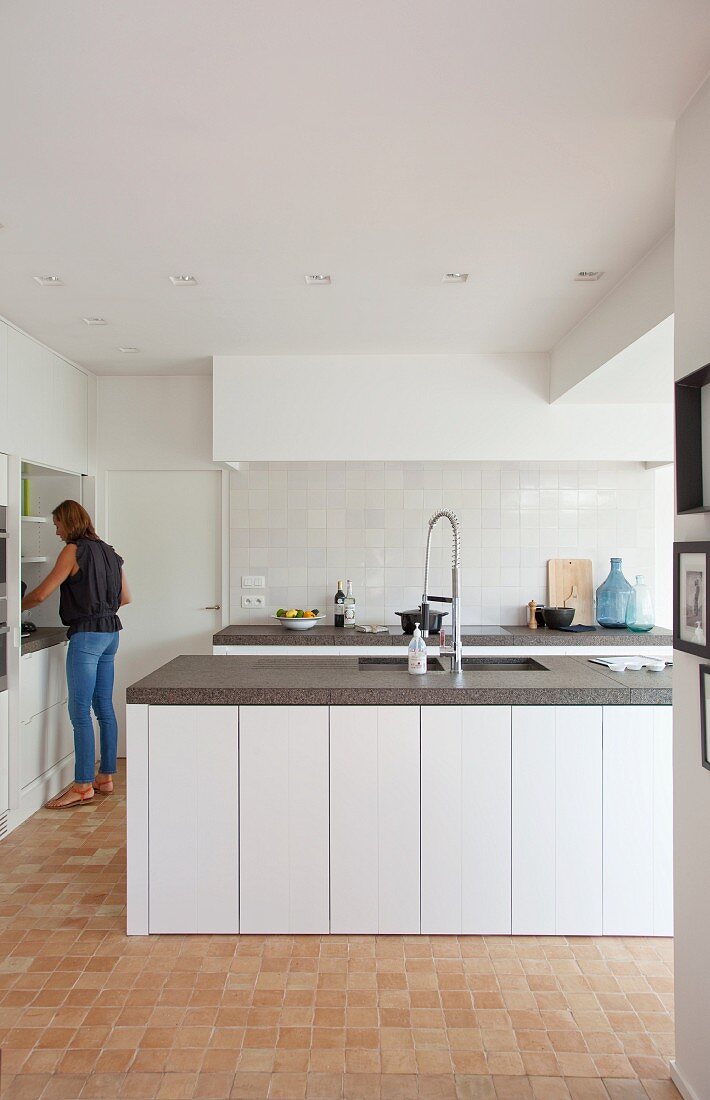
(376, 664)
(470, 664)
(502, 664)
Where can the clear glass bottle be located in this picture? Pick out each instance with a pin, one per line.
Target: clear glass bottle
(349, 605)
(613, 597)
(417, 654)
(639, 610)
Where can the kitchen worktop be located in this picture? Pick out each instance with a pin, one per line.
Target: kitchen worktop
(43, 638)
(283, 680)
(274, 634)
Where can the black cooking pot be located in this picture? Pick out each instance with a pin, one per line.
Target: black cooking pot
(411, 618)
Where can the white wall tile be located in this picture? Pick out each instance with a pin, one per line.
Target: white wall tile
(306, 525)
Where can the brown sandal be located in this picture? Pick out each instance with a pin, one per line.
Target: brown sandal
(80, 798)
(105, 787)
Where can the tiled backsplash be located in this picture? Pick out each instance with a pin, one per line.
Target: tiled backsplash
(304, 526)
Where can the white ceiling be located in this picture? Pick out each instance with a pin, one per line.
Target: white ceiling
(384, 142)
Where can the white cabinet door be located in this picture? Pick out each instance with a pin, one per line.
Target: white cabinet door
(283, 800)
(30, 397)
(45, 739)
(71, 411)
(578, 825)
(662, 821)
(638, 827)
(193, 819)
(3, 475)
(465, 820)
(486, 820)
(534, 902)
(4, 426)
(4, 748)
(43, 681)
(374, 819)
(557, 820)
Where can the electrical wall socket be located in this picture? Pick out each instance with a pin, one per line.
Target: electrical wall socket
(252, 602)
(253, 582)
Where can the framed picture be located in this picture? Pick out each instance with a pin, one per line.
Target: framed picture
(704, 715)
(690, 597)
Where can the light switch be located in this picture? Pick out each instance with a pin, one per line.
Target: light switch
(253, 582)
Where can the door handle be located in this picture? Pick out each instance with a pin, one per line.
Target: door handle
(212, 607)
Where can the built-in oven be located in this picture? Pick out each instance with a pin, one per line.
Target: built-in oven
(3, 598)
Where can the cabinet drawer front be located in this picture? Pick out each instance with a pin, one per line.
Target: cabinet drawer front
(45, 740)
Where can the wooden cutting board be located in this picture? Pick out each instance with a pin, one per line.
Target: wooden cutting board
(569, 584)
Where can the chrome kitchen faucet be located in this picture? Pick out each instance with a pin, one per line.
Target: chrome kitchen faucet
(454, 650)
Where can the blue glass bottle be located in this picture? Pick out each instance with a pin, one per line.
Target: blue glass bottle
(613, 597)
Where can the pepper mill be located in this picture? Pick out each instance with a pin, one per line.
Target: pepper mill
(532, 621)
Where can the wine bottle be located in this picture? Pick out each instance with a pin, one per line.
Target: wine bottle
(339, 619)
(349, 605)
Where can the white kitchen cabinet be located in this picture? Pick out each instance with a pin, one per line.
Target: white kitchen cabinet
(45, 740)
(284, 819)
(70, 392)
(47, 405)
(3, 480)
(193, 826)
(557, 820)
(4, 426)
(374, 819)
(465, 820)
(30, 397)
(638, 774)
(43, 681)
(4, 748)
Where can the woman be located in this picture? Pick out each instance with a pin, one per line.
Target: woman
(92, 586)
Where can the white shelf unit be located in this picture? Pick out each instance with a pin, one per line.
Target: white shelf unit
(39, 545)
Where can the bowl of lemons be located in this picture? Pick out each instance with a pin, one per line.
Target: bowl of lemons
(294, 618)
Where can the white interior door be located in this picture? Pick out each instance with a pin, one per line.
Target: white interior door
(166, 524)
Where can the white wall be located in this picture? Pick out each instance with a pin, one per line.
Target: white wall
(638, 303)
(691, 781)
(418, 408)
(155, 423)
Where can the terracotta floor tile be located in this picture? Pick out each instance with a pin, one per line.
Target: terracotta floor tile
(661, 1090)
(474, 1087)
(625, 1090)
(250, 1086)
(361, 1086)
(324, 1086)
(177, 1086)
(549, 1088)
(586, 1088)
(512, 1088)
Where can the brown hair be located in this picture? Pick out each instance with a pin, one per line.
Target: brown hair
(75, 520)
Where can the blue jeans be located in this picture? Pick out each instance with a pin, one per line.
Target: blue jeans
(90, 681)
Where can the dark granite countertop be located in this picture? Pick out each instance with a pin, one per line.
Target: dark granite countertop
(273, 634)
(43, 638)
(323, 680)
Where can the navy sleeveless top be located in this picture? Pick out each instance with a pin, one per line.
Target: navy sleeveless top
(89, 600)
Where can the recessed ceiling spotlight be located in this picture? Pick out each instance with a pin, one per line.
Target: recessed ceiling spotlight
(128, 350)
(588, 276)
(455, 277)
(94, 320)
(48, 280)
(317, 280)
(183, 280)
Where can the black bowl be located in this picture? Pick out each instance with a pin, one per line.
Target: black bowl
(555, 617)
(411, 618)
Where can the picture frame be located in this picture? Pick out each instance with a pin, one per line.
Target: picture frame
(691, 597)
(704, 715)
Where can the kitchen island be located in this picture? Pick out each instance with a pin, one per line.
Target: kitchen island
(272, 795)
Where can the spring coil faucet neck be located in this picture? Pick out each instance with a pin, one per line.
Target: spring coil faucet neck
(454, 651)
